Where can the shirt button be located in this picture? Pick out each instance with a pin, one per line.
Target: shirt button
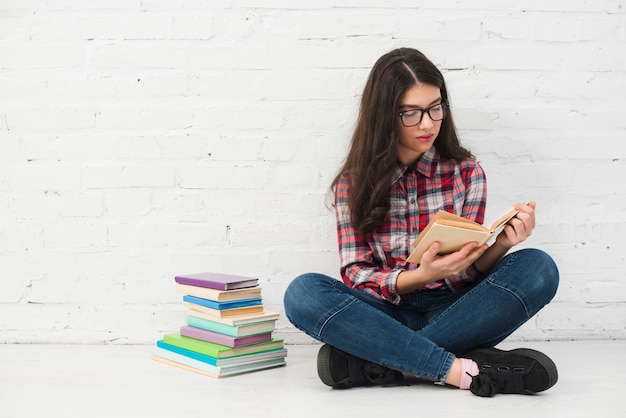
(412, 200)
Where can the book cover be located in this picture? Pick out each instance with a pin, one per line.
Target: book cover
(242, 303)
(453, 232)
(245, 358)
(231, 320)
(184, 367)
(225, 313)
(223, 339)
(217, 281)
(219, 295)
(232, 330)
(179, 360)
(217, 350)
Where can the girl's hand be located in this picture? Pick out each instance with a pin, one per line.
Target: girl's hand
(519, 228)
(434, 267)
(440, 266)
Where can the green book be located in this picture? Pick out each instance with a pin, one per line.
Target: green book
(220, 351)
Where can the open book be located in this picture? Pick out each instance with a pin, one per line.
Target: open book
(453, 232)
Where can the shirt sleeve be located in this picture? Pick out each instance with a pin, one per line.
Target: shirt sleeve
(473, 209)
(359, 268)
(476, 193)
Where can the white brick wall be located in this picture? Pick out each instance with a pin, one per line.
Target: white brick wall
(141, 139)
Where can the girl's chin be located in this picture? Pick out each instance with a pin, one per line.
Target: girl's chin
(408, 156)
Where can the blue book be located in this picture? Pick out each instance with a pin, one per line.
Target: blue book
(241, 303)
(192, 354)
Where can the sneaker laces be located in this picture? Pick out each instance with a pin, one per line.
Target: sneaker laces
(488, 384)
(485, 386)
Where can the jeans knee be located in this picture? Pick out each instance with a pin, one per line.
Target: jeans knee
(301, 295)
(545, 273)
(294, 289)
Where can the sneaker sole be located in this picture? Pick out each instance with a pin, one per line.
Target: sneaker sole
(323, 369)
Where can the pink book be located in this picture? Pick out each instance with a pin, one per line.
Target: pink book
(217, 281)
(223, 339)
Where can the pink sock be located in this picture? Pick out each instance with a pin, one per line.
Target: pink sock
(469, 369)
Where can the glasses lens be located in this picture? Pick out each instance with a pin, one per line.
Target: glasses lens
(436, 112)
(412, 117)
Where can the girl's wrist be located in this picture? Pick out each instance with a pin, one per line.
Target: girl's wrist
(501, 246)
(410, 280)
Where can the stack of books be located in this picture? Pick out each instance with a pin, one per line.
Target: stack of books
(227, 330)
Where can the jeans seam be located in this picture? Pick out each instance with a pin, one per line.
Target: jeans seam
(509, 261)
(321, 329)
(491, 280)
(514, 295)
(445, 367)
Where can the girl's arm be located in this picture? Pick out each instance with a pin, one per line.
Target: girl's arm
(358, 257)
(481, 258)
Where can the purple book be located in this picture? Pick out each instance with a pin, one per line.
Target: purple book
(217, 281)
(217, 338)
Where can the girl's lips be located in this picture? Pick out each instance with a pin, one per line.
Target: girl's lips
(425, 138)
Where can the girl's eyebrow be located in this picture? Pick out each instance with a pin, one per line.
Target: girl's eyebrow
(412, 106)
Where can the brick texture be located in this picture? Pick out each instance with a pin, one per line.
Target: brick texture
(142, 139)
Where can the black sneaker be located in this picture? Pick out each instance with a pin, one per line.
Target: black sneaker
(342, 370)
(522, 371)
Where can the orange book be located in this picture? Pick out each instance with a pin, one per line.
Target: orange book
(219, 295)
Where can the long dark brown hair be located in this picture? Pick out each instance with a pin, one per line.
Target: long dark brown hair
(373, 153)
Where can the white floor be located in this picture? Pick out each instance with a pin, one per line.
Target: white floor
(122, 381)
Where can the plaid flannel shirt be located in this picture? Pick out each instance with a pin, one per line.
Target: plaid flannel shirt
(372, 262)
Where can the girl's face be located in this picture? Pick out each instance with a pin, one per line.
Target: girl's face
(416, 140)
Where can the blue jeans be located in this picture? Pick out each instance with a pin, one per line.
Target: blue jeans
(424, 335)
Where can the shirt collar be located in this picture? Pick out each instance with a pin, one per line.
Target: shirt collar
(426, 165)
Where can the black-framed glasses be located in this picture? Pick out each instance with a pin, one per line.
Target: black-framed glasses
(413, 117)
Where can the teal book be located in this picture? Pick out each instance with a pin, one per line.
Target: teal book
(232, 330)
(217, 350)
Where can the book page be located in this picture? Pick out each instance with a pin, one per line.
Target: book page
(502, 220)
(465, 225)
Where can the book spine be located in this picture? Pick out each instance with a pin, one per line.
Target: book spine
(183, 366)
(204, 335)
(179, 358)
(217, 338)
(190, 344)
(218, 295)
(217, 281)
(193, 321)
(242, 303)
(201, 283)
(192, 354)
